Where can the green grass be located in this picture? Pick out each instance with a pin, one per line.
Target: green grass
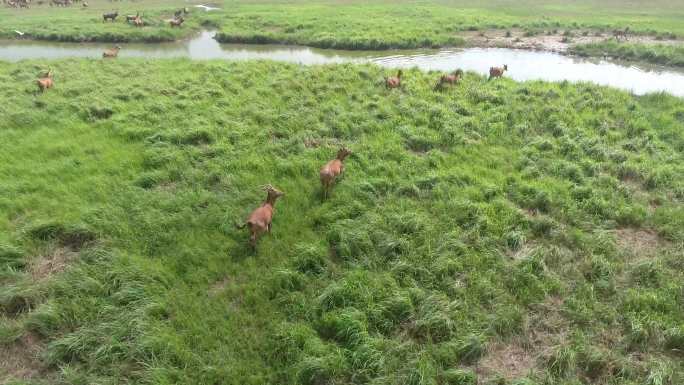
(659, 54)
(480, 216)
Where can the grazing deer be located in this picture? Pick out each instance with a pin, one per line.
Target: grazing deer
(261, 218)
(620, 34)
(176, 22)
(394, 81)
(46, 81)
(111, 16)
(497, 72)
(332, 170)
(451, 78)
(111, 53)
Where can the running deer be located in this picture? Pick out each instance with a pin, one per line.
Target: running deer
(46, 81)
(394, 81)
(261, 218)
(111, 53)
(332, 170)
(497, 72)
(451, 79)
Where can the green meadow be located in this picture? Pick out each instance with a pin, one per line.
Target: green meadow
(488, 233)
(359, 25)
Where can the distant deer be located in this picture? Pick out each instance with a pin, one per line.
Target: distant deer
(332, 170)
(261, 218)
(110, 16)
(394, 81)
(620, 34)
(131, 18)
(497, 72)
(138, 22)
(176, 22)
(111, 53)
(451, 79)
(46, 81)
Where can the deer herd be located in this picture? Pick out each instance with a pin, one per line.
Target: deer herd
(260, 220)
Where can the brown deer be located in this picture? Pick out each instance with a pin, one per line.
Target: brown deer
(451, 79)
(111, 53)
(131, 18)
(497, 72)
(332, 170)
(138, 22)
(620, 34)
(394, 81)
(46, 81)
(261, 218)
(176, 22)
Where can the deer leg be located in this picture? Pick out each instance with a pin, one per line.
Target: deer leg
(253, 239)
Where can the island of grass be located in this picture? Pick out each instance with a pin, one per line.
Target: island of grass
(492, 232)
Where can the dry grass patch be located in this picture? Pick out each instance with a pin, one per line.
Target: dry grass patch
(51, 263)
(219, 286)
(19, 360)
(507, 361)
(640, 243)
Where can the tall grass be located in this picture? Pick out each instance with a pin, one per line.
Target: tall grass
(479, 216)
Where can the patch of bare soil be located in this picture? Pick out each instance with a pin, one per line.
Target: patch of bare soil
(545, 329)
(19, 360)
(554, 42)
(508, 361)
(219, 286)
(642, 243)
(52, 263)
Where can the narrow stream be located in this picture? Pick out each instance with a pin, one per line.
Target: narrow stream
(522, 64)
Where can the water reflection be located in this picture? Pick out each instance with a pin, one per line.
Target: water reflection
(523, 65)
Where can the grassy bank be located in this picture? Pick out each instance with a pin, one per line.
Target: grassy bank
(494, 232)
(658, 54)
(411, 24)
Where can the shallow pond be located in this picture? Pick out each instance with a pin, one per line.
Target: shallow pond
(522, 64)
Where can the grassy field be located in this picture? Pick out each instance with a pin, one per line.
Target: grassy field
(493, 233)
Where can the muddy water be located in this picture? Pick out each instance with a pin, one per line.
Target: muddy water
(522, 64)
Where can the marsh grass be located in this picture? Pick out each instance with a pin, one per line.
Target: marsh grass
(403, 276)
(670, 55)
